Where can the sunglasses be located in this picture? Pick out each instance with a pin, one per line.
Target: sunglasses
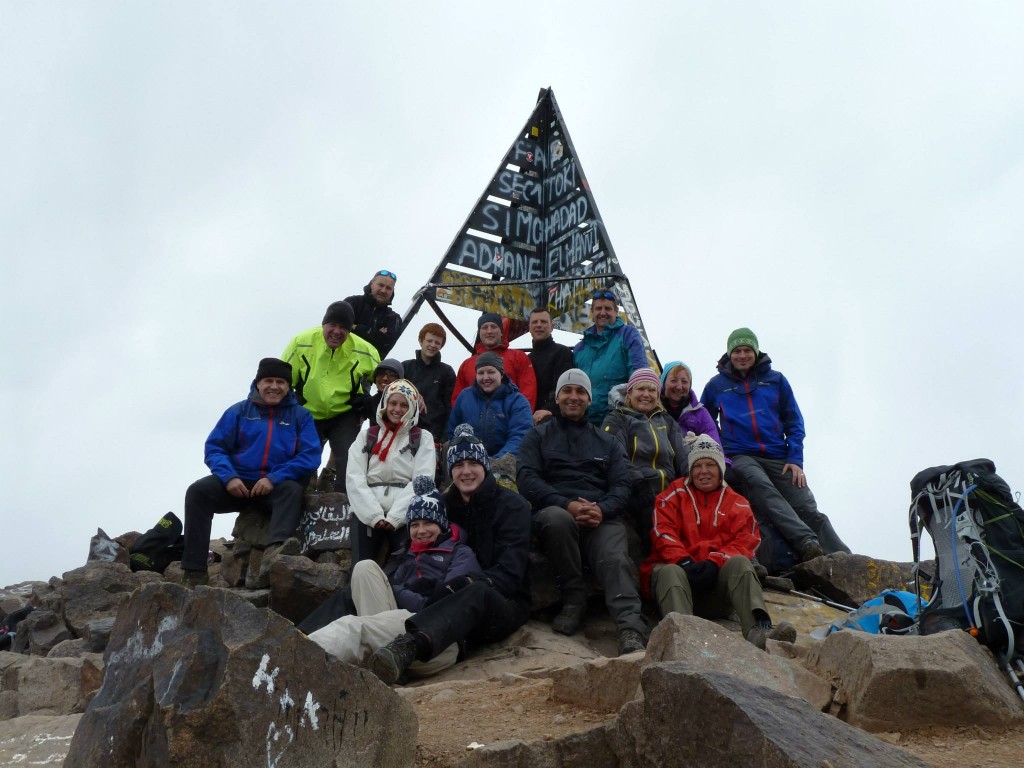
(386, 273)
(606, 295)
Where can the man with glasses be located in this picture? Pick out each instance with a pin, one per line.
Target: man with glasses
(609, 352)
(375, 321)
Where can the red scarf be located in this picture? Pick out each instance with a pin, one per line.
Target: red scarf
(390, 433)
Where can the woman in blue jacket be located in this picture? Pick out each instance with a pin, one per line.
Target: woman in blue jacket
(499, 414)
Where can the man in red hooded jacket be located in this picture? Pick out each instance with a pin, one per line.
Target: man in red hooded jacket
(518, 367)
(702, 541)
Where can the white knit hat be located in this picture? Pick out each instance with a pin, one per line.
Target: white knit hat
(577, 377)
(705, 447)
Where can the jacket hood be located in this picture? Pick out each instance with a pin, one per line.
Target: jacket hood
(255, 399)
(762, 364)
(408, 389)
(479, 348)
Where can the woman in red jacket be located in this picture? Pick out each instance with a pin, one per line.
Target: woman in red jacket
(702, 541)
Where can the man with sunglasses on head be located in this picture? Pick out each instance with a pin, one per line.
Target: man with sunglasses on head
(375, 321)
(609, 352)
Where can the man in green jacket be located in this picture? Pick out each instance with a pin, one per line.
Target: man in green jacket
(331, 368)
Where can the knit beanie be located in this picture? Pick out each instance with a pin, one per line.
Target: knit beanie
(705, 447)
(340, 312)
(390, 364)
(574, 376)
(742, 337)
(644, 374)
(466, 446)
(490, 358)
(489, 317)
(272, 367)
(426, 504)
(669, 367)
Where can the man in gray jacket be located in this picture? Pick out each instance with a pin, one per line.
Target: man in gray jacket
(577, 479)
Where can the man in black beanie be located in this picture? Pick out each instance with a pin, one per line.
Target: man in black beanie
(331, 372)
(261, 453)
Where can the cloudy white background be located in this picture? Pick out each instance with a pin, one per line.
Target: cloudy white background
(185, 186)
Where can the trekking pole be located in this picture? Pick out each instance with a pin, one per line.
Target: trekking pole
(1014, 679)
(815, 598)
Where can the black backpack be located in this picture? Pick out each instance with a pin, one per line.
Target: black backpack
(978, 531)
(158, 547)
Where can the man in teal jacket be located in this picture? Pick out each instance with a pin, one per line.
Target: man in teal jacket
(609, 352)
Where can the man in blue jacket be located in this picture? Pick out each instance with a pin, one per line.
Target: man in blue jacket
(261, 453)
(762, 431)
(608, 353)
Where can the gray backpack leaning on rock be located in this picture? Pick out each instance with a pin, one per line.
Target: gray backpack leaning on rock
(978, 531)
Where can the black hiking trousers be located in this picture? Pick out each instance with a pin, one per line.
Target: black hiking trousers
(475, 615)
(208, 496)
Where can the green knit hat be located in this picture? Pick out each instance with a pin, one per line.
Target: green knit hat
(742, 337)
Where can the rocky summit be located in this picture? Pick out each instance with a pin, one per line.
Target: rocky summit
(118, 668)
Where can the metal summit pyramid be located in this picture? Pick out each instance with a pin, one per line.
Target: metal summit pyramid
(534, 239)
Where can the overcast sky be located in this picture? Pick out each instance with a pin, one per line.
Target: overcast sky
(186, 186)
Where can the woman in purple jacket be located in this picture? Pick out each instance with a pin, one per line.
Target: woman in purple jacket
(682, 404)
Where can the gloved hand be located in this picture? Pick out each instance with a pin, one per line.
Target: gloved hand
(702, 576)
(361, 404)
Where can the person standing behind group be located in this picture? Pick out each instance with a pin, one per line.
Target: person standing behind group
(517, 364)
(549, 359)
(434, 379)
(608, 353)
(681, 401)
(329, 367)
(382, 462)
(762, 431)
(375, 321)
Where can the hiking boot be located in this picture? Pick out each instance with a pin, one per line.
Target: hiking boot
(193, 579)
(630, 641)
(390, 662)
(568, 620)
(763, 632)
(271, 554)
(811, 550)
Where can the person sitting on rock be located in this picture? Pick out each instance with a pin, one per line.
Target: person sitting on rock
(653, 443)
(260, 453)
(382, 461)
(577, 478)
(517, 366)
(482, 609)
(703, 538)
(681, 402)
(762, 431)
(494, 407)
(376, 603)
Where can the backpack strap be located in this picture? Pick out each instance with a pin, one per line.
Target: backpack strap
(371, 438)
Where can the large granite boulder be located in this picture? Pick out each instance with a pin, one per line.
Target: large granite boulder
(203, 678)
(31, 685)
(39, 632)
(36, 739)
(689, 716)
(852, 579)
(707, 646)
(97, 590)
(298, 585)
(898, 683)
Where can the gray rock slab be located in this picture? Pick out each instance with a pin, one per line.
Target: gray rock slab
(705, 645)
(905, 683)
(36, 739)
(692, 717)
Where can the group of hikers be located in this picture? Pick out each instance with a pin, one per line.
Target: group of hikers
(583, 448)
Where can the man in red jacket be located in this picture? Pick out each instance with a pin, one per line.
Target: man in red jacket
(518, 367)
(702, 541)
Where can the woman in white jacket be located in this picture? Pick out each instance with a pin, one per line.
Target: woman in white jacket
(382, 461)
